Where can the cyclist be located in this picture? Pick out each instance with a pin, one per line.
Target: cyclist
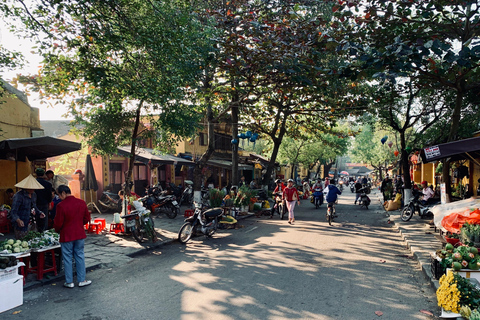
(277, 195)
(332, 193)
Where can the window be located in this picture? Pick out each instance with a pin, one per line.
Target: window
(203, 139)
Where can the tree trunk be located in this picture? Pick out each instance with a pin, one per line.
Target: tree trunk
(131, 163)
(235, 175)
(326, 169)
(271, 164)
(201, 163)
(404, 162)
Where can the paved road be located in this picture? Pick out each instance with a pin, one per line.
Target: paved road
(265, 270)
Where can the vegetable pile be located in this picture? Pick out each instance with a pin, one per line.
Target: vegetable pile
(463, 257)
(14, 246)
(33, 240)
(7, 262)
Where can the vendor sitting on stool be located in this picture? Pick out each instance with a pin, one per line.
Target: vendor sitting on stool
(427, 193)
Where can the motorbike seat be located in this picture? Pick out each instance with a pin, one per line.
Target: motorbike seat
(214, 212)
(132, 214)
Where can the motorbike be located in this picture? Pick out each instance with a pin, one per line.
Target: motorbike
(340, 186)
(110, 201)
(280, 205)
(352, 186)
(187, 194)
(175, 190)
(415, 205)
(317, 197)
(158, 200)
(205, 221)
(364, 200)
(139, 223)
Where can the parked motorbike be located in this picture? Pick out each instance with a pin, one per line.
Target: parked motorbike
(364, 200)
(139, 223)
(352, 186)
(205, 221)
(317, 197)
(279, 205)
(187, 194)
(175, 190)
(110, 201)
(416, 205)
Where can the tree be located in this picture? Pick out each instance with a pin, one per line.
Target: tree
(434, 42)
(367, 148)
(121, 60)
(409, 112)
(283, 54)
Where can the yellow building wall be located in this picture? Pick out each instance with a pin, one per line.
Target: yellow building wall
(417, 174)
(7, 168)
(17, 119)
(476, 175)
(428, 173)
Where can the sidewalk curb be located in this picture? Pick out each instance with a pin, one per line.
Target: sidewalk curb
(422, 257)
(150, 247)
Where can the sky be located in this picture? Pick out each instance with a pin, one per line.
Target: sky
(32, 62)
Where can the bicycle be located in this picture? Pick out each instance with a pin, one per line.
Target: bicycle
(330, 212)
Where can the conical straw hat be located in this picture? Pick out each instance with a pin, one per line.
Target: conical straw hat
(29, 183)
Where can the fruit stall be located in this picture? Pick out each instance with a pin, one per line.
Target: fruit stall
(459, 291)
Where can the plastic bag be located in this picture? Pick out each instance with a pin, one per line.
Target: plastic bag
(442, 210)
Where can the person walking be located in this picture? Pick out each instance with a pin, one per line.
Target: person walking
(24, 204)
(44, 198)
(72, 214)
(290, 195)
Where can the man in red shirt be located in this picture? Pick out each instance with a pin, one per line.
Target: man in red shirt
(72, 214)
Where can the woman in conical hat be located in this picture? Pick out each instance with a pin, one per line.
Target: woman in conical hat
(25, 203)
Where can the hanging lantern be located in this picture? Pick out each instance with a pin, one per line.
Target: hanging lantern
(243, 136)
(234, 141)
(408, 149)
(396, 153)
(239, 136)
(383, 140)
(390, 144)
(248, 134)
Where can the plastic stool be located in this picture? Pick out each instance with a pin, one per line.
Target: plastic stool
(188, 213)
(95, 227)
(102, 221)
(41, 268)
(117, 228)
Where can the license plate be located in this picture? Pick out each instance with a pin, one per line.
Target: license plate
(174, 202)
(130, 223)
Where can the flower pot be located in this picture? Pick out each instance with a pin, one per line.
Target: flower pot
(452, 240)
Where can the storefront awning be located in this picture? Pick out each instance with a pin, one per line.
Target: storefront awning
(36, 148)
(225, 164)
(176, 160)
(467, 149)
(143, 155)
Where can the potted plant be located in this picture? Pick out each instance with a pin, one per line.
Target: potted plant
(216, 197)
(452, 238)
(244, 196)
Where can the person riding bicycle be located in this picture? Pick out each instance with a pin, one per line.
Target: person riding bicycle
(358, 193)
(333, 191)
(277, 195)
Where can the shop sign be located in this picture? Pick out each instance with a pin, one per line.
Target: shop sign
(443, 193)
(431, 152)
